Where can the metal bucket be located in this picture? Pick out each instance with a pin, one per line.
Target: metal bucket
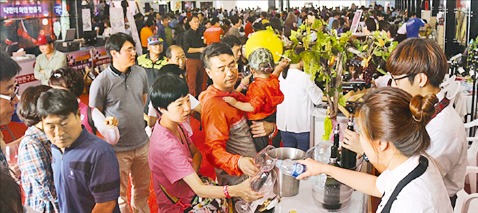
(286, 186)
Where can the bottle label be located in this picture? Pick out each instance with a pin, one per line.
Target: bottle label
(298, 169)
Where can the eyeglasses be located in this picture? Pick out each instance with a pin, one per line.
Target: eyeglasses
(129, 50)
(12, 97)
(400, 78)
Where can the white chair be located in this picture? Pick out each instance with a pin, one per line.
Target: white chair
(467, 203)
(472, 154)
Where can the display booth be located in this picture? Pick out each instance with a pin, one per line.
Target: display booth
(69, 22)
(21, 25)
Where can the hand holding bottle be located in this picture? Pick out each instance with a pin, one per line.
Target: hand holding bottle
(352, 141)
(313, 168)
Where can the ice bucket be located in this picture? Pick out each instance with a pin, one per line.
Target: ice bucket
(286, 186)
(327, 193)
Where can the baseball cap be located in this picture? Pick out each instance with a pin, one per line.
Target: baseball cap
(154, 40)
(42, 40)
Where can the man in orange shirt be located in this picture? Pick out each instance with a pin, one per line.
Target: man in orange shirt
(229, 145)
(214, 33)
(146, 32)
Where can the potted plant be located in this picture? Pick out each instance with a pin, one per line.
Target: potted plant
(326, 54)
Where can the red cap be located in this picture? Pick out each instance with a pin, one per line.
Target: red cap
(42, 40)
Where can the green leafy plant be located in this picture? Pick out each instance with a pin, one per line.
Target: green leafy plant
(374, 51)
(324, 58)
(325, 55)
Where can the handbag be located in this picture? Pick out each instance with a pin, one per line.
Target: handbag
(199, 204)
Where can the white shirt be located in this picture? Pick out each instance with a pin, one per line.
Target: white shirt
(403, 29)
(107, 32)
(427, 193)
(448, 147)
(300, 95)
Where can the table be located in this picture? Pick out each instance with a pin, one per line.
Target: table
(304, 203)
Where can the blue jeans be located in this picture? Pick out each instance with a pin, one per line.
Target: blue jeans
(296, 140)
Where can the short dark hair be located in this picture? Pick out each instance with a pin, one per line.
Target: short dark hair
(371, 25)
(235, 20)
(27, 107)
(416, 55)
(167, 89)
(205, 21)
(57, 102)
(165, 16)
(69, 79)
(250, 19)
(214, 21)
(231, 41)
(171, 69)
(213, 50)
(9, 67)
(116, 41)
(150, 22)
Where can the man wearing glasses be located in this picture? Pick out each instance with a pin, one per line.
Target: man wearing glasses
(8, 96)
(121, 91)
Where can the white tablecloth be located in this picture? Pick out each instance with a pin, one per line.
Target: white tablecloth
(304, 203)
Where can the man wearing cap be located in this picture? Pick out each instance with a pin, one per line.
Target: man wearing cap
(152, 61)
(49, 60)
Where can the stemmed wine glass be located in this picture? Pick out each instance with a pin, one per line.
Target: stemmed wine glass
(262, 182)
(264, 161)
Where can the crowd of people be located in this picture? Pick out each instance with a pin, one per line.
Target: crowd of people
(193, 64)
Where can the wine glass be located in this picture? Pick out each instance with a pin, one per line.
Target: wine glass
(263, 182)
(263, 160)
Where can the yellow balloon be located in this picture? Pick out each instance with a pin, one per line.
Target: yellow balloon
(265, 39)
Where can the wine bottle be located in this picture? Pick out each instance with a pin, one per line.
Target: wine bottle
(332, 186)
(334, 150)
(348, 158)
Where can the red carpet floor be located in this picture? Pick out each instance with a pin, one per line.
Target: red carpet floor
(15, 130)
